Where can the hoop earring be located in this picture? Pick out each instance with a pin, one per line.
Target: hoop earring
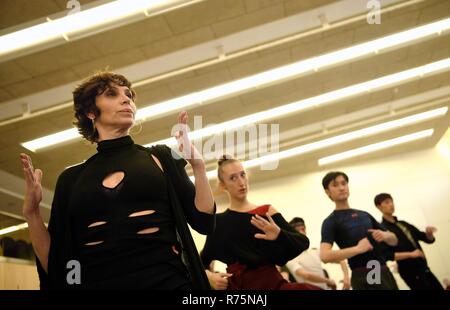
(93, 125)
(139, 123)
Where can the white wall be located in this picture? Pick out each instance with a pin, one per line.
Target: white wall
(418, 181)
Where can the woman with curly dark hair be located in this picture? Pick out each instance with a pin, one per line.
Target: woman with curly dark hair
(119, 220)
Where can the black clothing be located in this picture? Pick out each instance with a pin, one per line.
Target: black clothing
(421, 279)
(346, 228)
(234, 241)
(360, 278)
(414, 271)
(123, 257)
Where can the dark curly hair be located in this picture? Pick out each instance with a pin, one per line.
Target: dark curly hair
(225, 159)
(84, 100)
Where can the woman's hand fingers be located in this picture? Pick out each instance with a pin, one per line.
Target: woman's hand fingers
(184, 135)
(27, 168)
(33, 187)
(270, 219)
(259, 222)
(25, 161)
(261, 236)
(260, 218)
(183, 117)
(270, 228)
(256, 223)
(179, 141)
(38, 176)
(182, 120)
(181, 135)
(190, 153)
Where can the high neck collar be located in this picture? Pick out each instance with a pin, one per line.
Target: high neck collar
(389, 220)
(113, 145)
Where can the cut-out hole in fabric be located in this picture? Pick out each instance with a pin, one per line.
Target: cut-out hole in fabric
(94, 243)
(114, 179)
(157, 162)
(141, 213)
(97, 224)
(150, 230)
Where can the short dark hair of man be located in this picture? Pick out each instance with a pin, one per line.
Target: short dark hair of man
(297, 222)
(378, 200)
(331, 176)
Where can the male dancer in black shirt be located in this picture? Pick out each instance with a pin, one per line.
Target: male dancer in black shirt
(359, 236)
(411, 261)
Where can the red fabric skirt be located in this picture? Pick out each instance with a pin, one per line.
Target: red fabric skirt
(264, 277)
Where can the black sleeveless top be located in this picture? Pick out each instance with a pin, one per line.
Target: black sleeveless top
(116, 248)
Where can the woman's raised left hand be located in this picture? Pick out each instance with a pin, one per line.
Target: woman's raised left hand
(190, 153)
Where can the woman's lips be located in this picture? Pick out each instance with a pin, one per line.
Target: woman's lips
(127, 111)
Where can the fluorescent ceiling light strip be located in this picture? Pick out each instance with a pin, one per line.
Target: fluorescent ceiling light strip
(81, 21)
(121, 9)
(353, 135)
(294, 69)
(375, 147)
(205, 63)
(339, 94)
(11, 229)
(282, 73)
(340, 123)
(52, 139)
(298, 106)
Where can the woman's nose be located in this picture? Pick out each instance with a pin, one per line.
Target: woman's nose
(125, 99)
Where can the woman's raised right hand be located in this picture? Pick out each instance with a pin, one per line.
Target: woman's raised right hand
(33, 187)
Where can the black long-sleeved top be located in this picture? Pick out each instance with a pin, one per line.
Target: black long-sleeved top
(405, 245)
(233, 241)
(125, 258)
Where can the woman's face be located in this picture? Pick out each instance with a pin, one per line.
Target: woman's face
(235, 180)
(117, 109)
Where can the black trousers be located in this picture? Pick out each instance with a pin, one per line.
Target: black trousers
(359, 280)
(420, 279)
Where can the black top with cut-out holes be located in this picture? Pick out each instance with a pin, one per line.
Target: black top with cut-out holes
(115, 254)
(125, 259)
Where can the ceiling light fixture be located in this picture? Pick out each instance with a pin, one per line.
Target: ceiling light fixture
(286, 72)
(375, 147)
(346, 137)
(86, 21)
